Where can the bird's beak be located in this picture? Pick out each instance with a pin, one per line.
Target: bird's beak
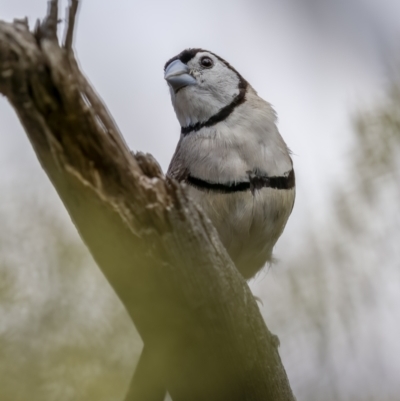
(177, 75)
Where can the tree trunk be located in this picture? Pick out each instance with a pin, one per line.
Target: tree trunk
(193, 310)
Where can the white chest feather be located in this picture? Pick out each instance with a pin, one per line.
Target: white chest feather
(248, 139)
(248, 225)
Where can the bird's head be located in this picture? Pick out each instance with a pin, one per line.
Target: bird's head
(202, 85)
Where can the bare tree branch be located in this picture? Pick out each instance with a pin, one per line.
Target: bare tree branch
(72, 10)
(156, 248)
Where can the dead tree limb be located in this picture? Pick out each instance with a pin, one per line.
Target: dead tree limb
(156, 248)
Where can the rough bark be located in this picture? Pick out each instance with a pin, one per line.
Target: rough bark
(161, 255)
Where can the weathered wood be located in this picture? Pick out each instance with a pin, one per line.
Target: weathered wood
(156, 248)
(147, 383)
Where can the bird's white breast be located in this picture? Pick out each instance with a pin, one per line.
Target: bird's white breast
(248, 225)
(246, 140)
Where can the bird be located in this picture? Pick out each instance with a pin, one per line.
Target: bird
(231, 156)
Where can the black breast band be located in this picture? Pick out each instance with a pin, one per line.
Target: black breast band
(255, 182)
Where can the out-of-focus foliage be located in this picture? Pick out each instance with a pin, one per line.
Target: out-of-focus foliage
(64, 335)
(338, 301)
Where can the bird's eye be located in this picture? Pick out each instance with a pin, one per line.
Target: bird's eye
(206, 62)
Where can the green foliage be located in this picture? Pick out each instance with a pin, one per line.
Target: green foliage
(64, 335)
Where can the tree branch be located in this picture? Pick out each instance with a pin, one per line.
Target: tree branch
(154, 245)
(72, 10)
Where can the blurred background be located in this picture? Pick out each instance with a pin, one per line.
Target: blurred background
(331, 69)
